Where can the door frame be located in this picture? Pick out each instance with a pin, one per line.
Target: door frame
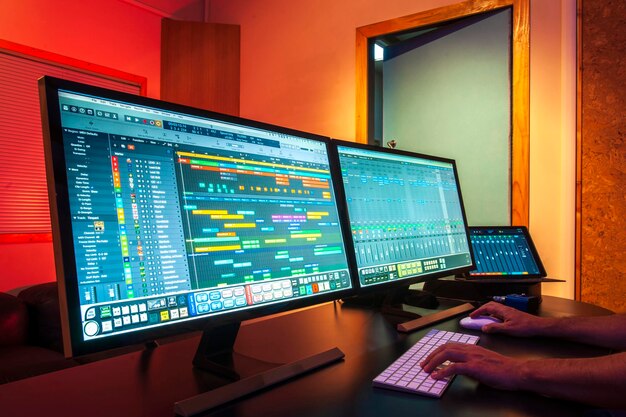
(520, 91)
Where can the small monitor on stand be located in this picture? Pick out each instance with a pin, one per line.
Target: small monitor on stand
(507, 262)
(407, 220)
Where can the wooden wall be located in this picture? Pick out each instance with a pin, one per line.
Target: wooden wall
(602, 154)
(200, 65)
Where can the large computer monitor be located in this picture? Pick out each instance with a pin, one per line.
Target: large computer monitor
(406, 215)
(168, 219)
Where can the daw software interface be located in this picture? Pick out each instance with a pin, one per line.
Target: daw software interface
(504, 251)
(406, 214)
(175, 216)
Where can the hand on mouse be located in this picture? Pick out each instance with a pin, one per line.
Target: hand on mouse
(477, 323)
(514, 322)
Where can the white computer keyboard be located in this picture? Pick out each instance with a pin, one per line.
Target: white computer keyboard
(406, 374)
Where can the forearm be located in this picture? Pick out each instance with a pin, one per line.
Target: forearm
(597, 381)
(607, 331)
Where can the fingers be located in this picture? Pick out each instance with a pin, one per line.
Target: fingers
(491, 308)
(473, 361)
(455, 368)
(453, 352)
(495, 327)
(434, 359)
(452, 359)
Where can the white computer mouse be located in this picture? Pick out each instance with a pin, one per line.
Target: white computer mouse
(478, 322)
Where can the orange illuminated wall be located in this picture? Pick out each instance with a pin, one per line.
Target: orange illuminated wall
(298, 70)
(603, 156)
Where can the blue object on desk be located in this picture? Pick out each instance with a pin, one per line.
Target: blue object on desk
(527, 303)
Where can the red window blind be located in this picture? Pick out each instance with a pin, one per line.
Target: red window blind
(23, 190)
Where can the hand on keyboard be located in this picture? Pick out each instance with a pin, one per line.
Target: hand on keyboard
(406, 374)
(476, 362)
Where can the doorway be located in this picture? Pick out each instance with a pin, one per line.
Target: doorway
(519, 98)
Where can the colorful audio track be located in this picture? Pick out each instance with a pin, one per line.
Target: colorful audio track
(121, 221)
(287, 224)
(135, 240)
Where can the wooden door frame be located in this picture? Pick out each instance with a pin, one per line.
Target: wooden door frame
(578, 260)
(520, 92)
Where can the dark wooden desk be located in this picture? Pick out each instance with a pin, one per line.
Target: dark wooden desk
(148, 383)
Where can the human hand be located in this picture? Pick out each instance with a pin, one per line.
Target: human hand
(514, 322)
(484, 365)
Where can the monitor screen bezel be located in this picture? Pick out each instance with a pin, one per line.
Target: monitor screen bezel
(63, 244)
(404, 282)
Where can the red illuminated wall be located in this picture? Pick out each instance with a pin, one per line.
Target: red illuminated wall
(111, 34)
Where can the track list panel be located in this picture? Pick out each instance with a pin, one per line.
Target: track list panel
(128, 236)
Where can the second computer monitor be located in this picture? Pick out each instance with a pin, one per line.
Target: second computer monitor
(406, 215)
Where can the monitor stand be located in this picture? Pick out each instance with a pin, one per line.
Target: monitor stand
(216, 355)
(391, 303)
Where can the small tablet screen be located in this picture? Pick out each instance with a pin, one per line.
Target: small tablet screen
(506, 252)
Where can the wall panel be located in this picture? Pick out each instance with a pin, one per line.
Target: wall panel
(200, 65)
(603, 155)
